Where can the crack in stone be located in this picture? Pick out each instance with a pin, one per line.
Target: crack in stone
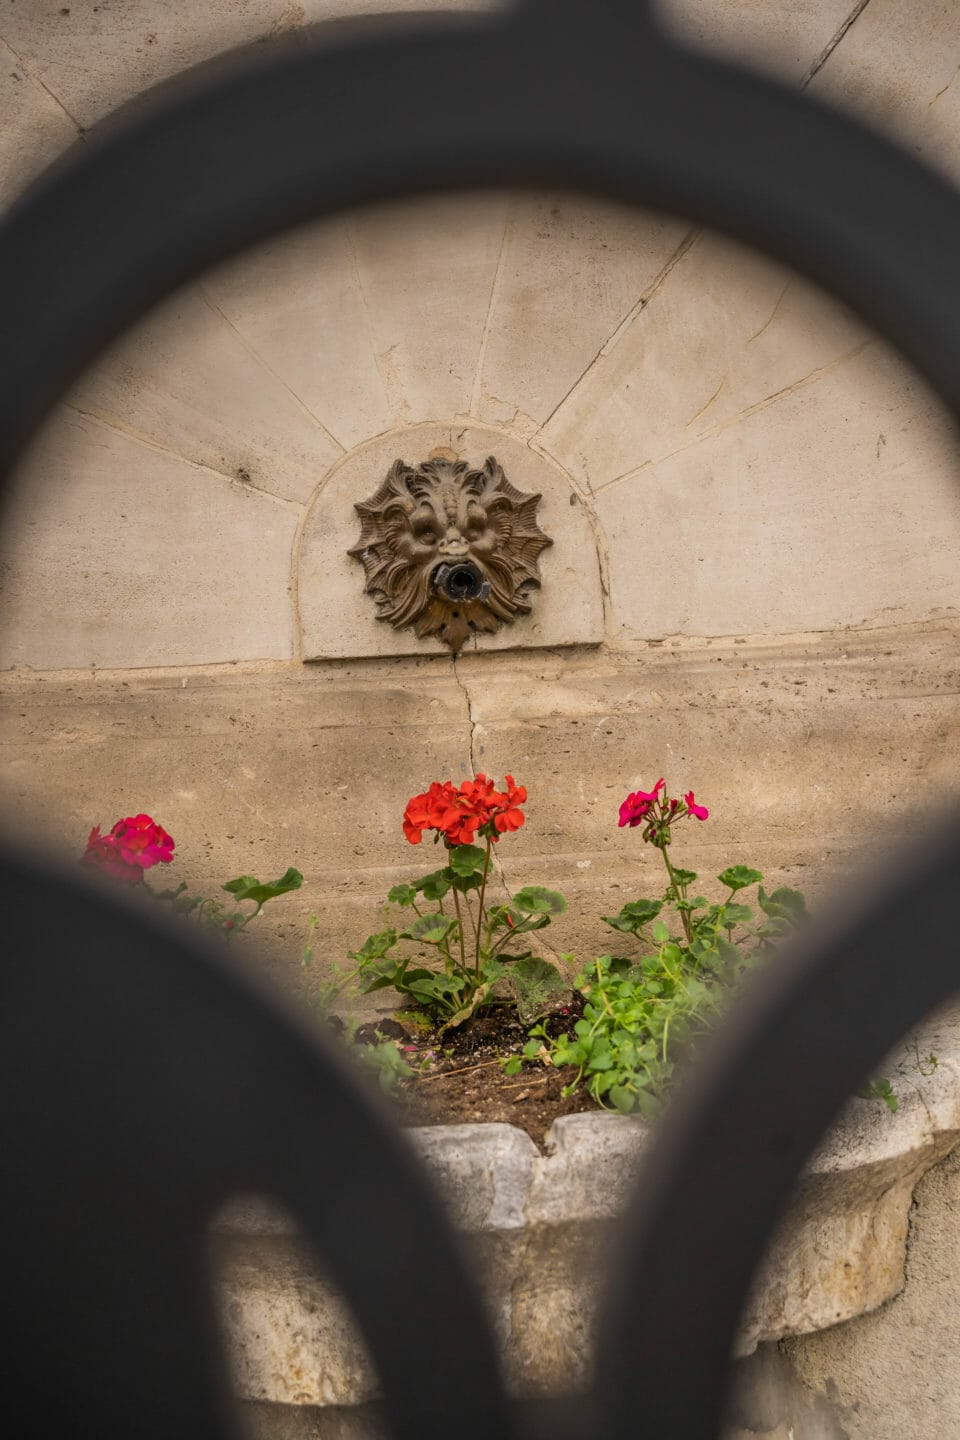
(704, 408)
(477, 392)
(535, 940)
(833, 42)
(259, 360)
(147, 441)
(773, 315)
(41, 84)
(627, 320)
(944, 89)
(810, 379)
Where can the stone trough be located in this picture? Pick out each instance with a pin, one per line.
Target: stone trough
(541, 1226)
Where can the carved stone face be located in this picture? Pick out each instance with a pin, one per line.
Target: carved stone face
(449, 550)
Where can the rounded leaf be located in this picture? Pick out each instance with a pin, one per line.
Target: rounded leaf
(467, 860)
(739, 876)
(537, 900)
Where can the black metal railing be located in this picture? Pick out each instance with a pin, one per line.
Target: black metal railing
(142, 1081)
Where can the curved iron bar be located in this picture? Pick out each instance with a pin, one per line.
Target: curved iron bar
(590, 96)
(144, 1083)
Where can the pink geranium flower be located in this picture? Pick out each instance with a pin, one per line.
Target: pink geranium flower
(638, 804)
(133, 845)
(699, 812)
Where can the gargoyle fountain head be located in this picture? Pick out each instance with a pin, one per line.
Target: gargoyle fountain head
(448, 549)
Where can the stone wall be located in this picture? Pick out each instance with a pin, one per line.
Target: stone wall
(753, 505)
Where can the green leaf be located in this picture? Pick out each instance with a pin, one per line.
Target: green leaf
(736, 915)
(623, 1099)
(634, 916)
(684, 877)
(880, 1089)
(783, 904)
(374, 947)
(620, 922)
(470, 1007)
(513, 1066)
(242, 882)
(247, 887)
(738, 877)
(536, 900)
(467, 859)
(434, 989)
(642, 911)
(538, 987)
(430, 929)
(402, 895)
(660, 932)
(434, 886)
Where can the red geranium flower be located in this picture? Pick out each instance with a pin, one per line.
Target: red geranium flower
(510, 816)
(460, 814)
(133, 845)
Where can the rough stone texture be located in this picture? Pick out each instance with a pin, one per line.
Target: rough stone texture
(761, 549)
(541, 1230)
(812, 756)
(124, 554)
(914, 1338)
(340, 621)
(702, 398)
(34, 127)
(186, 380)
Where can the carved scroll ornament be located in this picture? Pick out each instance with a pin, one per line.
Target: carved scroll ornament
(448, 549)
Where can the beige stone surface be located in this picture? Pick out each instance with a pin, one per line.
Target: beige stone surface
(812, 758)
(34, 127)
(187, 381)
(540, 1228)
(426, 271)
(913, 1339)
(602, 260)
(118, 553)
(725, 332)
(899, 69)
(784, 41)
(340, 621)
(837, 502)
(702, 393)
(296, 303)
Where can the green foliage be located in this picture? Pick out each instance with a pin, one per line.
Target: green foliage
(738, 877)
(880, 1089)
(455, 958)
(535, 900)
(643, 1011)
(248, 887)
(385, 1061)
(537, 987)
(213, 913)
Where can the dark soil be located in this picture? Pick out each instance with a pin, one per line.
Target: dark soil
(461, 1079)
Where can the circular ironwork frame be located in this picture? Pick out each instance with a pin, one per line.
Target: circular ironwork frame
(562, 93)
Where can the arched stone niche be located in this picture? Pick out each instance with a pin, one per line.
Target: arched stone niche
(338, 619)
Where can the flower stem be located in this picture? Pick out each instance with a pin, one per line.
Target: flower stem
(463, 953)
(679, 893)
(483, 891)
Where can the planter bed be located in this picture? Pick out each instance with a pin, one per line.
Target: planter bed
(540, 1223)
